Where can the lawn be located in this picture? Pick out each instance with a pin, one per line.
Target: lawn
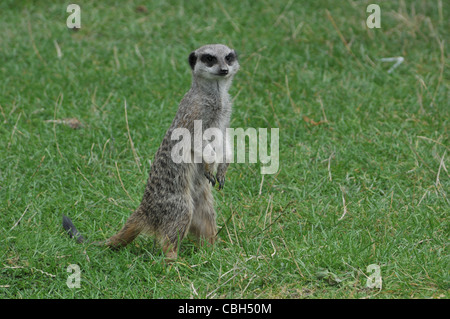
(364, 152)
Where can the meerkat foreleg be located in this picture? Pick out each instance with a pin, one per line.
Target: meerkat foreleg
(226, 158)
(209, 158)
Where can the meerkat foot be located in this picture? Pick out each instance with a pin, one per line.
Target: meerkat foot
(170, 252)
(170, 258)
(221, 181)
(207, 241)
(211, 178)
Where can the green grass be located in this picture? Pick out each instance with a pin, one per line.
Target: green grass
(381, 145)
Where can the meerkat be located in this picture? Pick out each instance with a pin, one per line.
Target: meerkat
(178, 196)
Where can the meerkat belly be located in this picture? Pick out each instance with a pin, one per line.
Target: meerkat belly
(219, 146)
(191, 177)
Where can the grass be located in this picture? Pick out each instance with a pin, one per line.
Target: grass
(363, 175)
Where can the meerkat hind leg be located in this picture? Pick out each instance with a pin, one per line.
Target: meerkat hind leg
(203, 223)
(179, 214)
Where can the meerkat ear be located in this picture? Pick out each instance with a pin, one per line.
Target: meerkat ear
(192, 59)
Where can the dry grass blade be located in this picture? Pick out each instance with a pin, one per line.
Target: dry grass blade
(18, 221)
(33, 44)
(57, 105)
(73, 122)
(121, 183)
(439, 170)
(343, 203)
(136, 158)
(347, 46)
(14, 130)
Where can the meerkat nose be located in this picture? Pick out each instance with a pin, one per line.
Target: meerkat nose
(223, 71)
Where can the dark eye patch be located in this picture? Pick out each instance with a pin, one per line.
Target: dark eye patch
(208, 59)
(230, 58)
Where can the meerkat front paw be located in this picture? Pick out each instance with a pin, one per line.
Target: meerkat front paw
(209, 174)
(221, 172)
(221, 181)
(211, 178)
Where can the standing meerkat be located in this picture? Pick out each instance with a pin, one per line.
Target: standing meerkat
(178, 196)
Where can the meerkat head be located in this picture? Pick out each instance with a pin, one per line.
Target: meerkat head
(214, 62)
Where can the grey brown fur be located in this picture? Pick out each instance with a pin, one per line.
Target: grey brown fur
(178, 197)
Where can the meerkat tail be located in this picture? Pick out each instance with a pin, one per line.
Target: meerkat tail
(132, 228)
(71, 229)
(126, 235)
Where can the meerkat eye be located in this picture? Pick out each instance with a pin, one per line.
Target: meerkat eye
(230, 58)
(209, 59)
